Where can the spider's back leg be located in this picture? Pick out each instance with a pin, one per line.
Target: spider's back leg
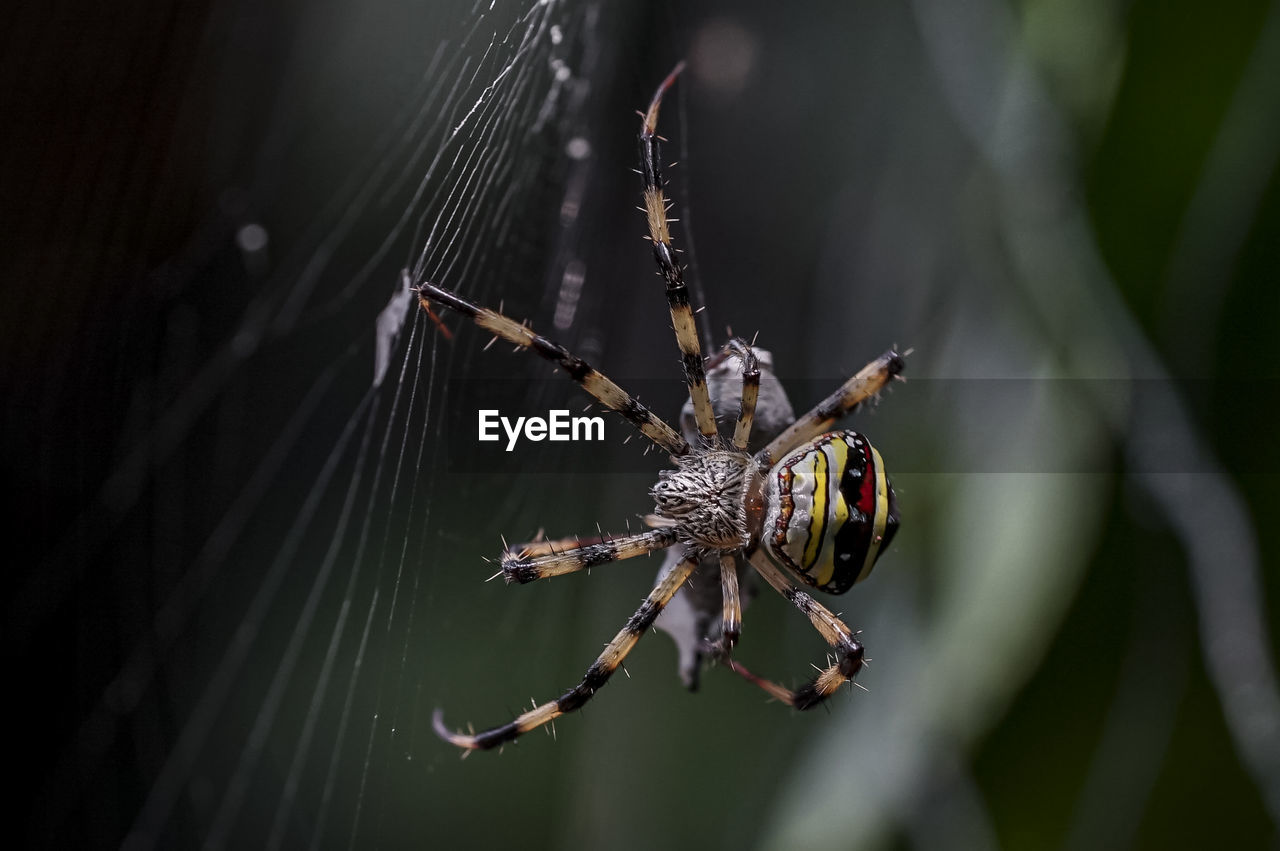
(869, 381)
(595, 678)
(846, 648)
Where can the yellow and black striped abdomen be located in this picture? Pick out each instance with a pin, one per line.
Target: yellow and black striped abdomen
(830, 511)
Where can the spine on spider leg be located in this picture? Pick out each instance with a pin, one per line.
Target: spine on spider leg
(655, 209)
(828, 681)
(592, 380)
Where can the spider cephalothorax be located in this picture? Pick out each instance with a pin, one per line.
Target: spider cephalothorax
(812, 505)
(705, 497)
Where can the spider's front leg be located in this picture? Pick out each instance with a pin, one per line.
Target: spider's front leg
(544, 559)
(595, 678)
(847, 649)
(596, 383)
(655, 210)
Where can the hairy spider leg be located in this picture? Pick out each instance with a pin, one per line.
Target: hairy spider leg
(592, 380)
(739, 348)
(848, 650)
(655, 209)
(595, 678)
(545, 547)
(542, 546)
(731, 618)
(869, 381)
(519, 566)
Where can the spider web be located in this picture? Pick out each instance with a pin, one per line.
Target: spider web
(268, 689)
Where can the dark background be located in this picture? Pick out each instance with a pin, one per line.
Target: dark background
(242, 577)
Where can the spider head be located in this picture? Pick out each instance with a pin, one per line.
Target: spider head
(704, 496)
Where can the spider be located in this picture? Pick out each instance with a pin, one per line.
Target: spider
(813, 505)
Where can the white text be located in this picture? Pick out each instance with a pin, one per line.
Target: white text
(558, 426)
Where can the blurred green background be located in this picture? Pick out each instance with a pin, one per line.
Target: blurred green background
(244, 574)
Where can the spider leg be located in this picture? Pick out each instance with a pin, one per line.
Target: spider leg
(848, 650)
(731, 618)
(541, 546)
(655, 208)
(869, 381)
(597, 675)
(537, 561)
(592, 380)
(750, 391)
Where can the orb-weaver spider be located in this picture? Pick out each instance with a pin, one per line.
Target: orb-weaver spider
(812, 504)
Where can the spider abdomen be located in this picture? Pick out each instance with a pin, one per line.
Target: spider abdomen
(830, 511)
